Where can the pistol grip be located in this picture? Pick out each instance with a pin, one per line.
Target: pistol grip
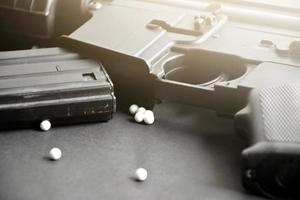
(271, 121)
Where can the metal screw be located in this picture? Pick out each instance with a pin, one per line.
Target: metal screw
(95, 5)
(211, 20)
(198, 22)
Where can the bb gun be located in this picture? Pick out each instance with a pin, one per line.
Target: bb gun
(240, 59)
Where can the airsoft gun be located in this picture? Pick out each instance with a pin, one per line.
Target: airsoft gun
(239, 58)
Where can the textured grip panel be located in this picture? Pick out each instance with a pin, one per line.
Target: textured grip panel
(280, 108)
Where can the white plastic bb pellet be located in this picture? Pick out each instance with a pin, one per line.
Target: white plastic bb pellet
(141, 174)
(149, 117)
(55, 153)
(141, 109)
(133, 109)
(139, 116)
(45, 125)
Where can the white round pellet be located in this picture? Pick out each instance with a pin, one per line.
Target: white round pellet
(141, 174)
(141, 109)
(149, 118)
(55, 153)
(149, 112)
(133, 109)
(45, 125)
(139, 116)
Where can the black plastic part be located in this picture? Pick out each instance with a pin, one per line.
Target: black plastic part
(42, 18)
(28, 17)
(53, 84)
(270, 122)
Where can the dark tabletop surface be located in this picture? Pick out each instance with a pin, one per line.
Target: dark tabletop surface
(189, 153)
